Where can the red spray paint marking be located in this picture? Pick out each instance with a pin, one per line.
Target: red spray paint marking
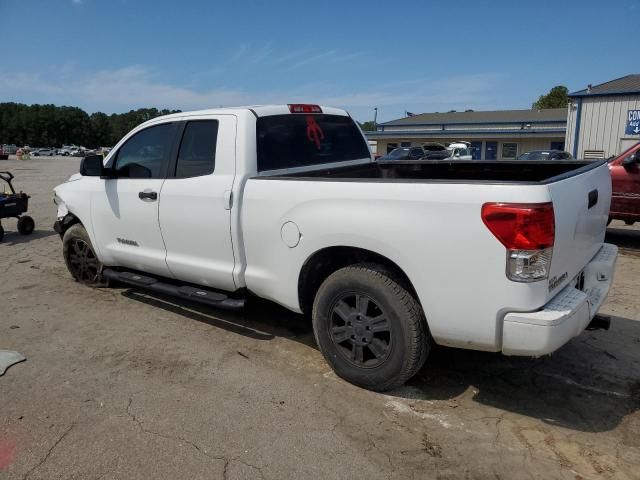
(7, 453)
(314, 132)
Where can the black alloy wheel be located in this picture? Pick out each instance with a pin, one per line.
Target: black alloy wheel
(360, 330)
(82, 261)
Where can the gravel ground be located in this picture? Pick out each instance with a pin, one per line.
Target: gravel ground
(122, 384)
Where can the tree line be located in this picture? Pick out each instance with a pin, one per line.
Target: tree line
(53, 126)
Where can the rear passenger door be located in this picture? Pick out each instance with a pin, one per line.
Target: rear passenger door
(195, 206)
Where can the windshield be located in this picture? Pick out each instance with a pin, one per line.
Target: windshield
(294, 140)
(534, 156)
(398, 153)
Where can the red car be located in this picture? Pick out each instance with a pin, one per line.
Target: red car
(625, 179)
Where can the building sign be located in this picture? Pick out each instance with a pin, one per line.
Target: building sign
(633, 123)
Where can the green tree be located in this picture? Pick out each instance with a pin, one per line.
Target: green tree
(53, 126)
(556, 98)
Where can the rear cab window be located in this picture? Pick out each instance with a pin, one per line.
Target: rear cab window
(302, 140)
(197, 153)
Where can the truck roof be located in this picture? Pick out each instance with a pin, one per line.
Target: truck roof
(259, 110)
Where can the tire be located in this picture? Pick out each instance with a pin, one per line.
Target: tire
(1, 233)
(80, 257)
(369, 328)
(26, 225)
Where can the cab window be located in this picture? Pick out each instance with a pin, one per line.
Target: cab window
(197, 155)
(145, 153)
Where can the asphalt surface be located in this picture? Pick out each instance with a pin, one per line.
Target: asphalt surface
(119, 384)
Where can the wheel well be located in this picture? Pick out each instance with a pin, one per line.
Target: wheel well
(326, 261)
(67, 222)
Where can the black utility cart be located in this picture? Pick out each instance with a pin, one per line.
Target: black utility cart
(13, 205)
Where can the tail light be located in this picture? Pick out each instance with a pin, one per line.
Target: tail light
(527, 230)
(304, 108)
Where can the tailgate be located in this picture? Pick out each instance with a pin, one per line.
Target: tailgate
(581, 209)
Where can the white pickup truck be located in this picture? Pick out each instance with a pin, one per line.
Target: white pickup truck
(285, 203)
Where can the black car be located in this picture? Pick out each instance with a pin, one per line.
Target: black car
(546, 155)
(404, 153)
(435, 151)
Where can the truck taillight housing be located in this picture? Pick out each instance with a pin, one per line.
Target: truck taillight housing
(527, 230)
(304, 108)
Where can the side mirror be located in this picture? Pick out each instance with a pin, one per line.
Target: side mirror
(91, 166)
(631, 159)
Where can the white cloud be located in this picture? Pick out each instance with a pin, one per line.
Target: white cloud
(136, 86)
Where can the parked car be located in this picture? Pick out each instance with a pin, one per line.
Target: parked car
(404, 153)
(10, 149)
(474, 255)
(435, 151)
(460, 151)
(44, 152)
(546, 155)
(66, 150)
(625, 179)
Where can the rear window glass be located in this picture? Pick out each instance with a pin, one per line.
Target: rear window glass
(295, 140)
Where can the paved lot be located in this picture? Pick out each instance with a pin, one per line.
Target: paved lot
(120, 384)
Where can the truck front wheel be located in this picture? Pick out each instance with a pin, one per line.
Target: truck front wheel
(370, 328)
(80, 257)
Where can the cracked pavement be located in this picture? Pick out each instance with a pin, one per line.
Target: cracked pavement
(123, 384)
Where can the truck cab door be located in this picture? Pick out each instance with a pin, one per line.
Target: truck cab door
(124, 207)
(195, 212)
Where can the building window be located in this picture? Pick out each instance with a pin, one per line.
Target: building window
(509, 150)
(491, 150)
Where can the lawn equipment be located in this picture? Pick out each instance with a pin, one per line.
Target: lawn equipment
(14, 204)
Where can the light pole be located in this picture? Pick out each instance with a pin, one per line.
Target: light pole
(375, 118)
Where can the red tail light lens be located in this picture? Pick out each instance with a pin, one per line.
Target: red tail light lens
(304, 108)
(521, 226)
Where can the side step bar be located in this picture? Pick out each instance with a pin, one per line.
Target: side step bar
(200, 295)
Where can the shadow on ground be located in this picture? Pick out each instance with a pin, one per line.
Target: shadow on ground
(15, 238)
(568, 389)
(583, 386)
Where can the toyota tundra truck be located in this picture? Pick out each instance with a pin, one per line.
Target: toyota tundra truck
(387, 258)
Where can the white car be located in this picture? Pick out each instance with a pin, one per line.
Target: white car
(285, 203)
(460, 150)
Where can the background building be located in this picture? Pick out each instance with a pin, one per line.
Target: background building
(604, 120)
(501, 134)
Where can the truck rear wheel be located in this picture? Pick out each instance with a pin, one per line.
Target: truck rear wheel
(370, 328)
(80, 257)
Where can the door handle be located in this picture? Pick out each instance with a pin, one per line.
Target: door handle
(148, 195)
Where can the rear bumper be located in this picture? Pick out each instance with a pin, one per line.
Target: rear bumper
(566, 315)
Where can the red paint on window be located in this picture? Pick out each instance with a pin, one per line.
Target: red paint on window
(314, 132)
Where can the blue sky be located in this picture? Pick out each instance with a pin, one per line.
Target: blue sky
(114, 55)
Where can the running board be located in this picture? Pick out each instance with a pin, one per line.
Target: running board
(200, 295)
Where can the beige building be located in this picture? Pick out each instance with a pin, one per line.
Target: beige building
(604, 120)
(494, 135)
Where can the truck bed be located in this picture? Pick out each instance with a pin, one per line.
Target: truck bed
(535, 172)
